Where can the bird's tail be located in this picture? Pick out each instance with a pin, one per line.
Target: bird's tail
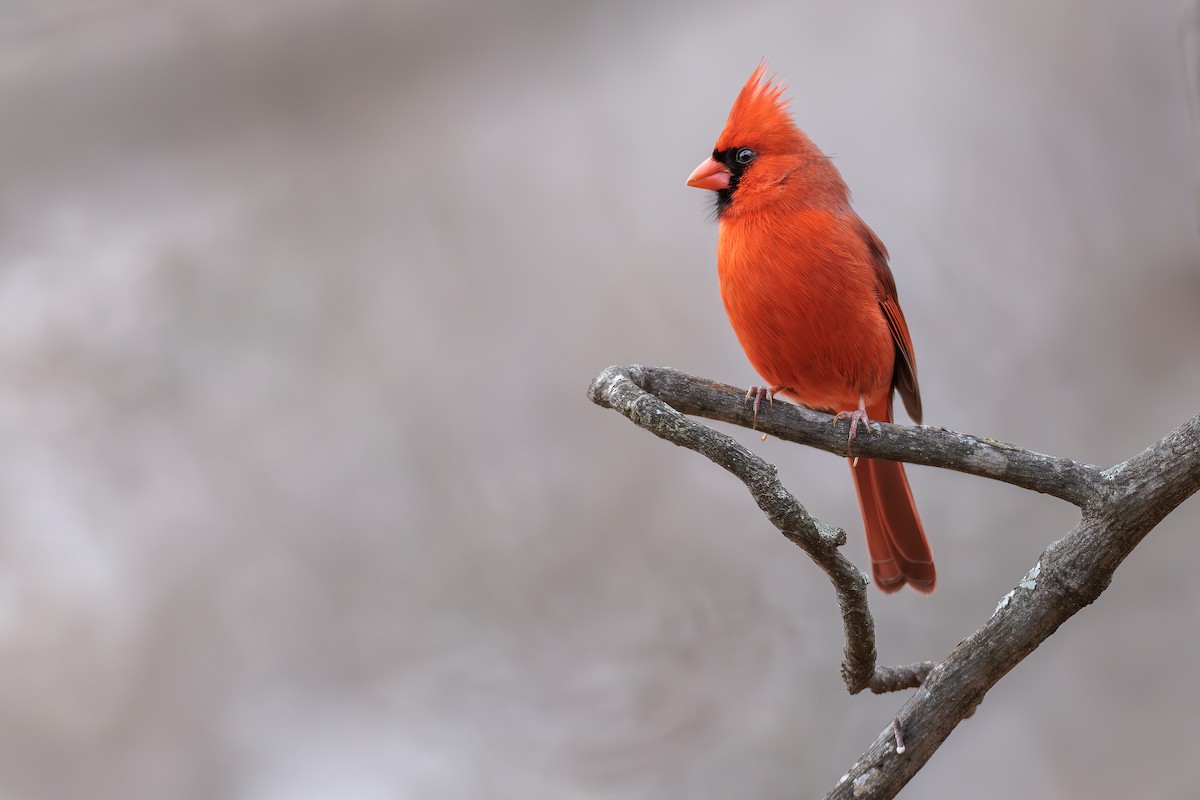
(895, 539)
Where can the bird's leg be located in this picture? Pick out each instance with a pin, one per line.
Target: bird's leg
(758, 393)
(856, 417)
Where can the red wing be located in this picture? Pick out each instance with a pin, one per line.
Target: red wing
(904, 379)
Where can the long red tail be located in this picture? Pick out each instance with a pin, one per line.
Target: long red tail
(895, 539)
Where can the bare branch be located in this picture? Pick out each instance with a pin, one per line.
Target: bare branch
(1063, 478)
(1165, 473)
(893, 679)
(1070, 575)
(1121, 505)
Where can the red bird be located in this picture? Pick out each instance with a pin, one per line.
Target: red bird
(810, 296)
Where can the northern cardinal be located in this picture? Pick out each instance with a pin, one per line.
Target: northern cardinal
(810, 296)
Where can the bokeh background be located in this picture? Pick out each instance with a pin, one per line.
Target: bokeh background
(300, 493)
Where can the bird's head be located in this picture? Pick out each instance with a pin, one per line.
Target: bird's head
(757, 151)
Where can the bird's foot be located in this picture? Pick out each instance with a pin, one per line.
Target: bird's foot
(758, 393)
(857, 417)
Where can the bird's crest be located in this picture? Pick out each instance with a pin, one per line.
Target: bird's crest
(760, 117)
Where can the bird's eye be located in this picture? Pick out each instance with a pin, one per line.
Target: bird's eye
(744, 156)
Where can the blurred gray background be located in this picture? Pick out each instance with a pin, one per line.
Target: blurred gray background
(300, 493)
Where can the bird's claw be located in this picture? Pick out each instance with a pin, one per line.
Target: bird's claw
(758, 393)
(857, 417)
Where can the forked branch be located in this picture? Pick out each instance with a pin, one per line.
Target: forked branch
(1120, 506)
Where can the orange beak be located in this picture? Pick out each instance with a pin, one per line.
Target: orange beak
(711, 174)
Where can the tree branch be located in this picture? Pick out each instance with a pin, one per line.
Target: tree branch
(931, 447)
(1121, 505)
